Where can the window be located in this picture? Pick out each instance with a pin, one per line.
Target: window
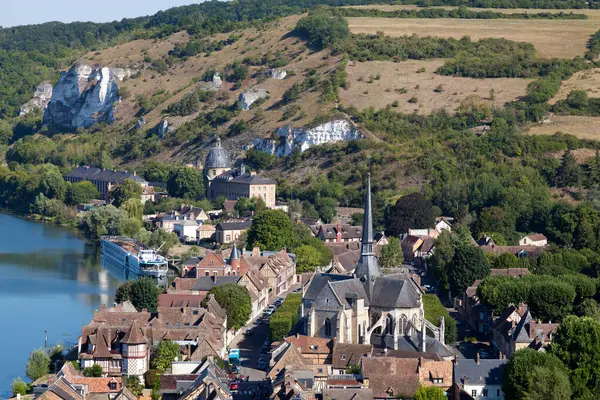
(485, 393)
(112, 385)
(437, 380)
(474, 393)
(327, 327)
(228, 238)
(215, 273)
(206, 273)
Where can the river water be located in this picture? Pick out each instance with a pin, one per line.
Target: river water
(50, 280)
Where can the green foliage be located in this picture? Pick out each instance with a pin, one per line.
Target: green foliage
(271, 230)
(576, 344)
(322, 30)
(353, 369)
(260, 160)
(410, 211)
(434, 309)
(285, 317)
(430, 393)
(569, 172)
(391, 254)
(152, 378)
(126, 190)
(164, 355)
(103, 221)
(545, 383)
(95, 371)
(132, 382)
(81, 192)
(186, 183)
(279, 326)
(235, 300)
(468, 265)
(190, 103)
(142, 293)
(161, 238)
(38, 364)
(527, 364)
(307, 258)
(18, 387)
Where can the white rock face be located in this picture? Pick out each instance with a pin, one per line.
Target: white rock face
(212, 86)
(301, 138)
(163, 128)
(39, 101)
(251, 96)
(122, 73)
(83, 96)
(277, 73)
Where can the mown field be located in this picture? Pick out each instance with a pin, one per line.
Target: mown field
(551, 38)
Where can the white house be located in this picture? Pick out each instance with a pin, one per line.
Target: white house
(534, 239)
(186, 230)
(480, 379)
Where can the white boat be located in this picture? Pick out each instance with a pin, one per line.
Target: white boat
(128, 259)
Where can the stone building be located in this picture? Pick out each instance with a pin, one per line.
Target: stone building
(222, 180)
(103, 179)
(368, 307)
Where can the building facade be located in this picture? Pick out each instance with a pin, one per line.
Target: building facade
(103, 179)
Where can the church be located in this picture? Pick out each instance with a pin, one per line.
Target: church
(369, 307)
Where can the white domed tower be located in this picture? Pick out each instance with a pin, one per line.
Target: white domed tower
(134, 350)
(217, 161)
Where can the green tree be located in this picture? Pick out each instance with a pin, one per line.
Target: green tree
(53, 185)
(165, 354)
(186, 183)
(131, 227)
(95, 371)
(321, 29)
(235, 300)
(551, 300)
(307, 258)
(128, 189)
(569, 172)
(430, 393)
(81, 192)
(142, 293)
(468, 265)
(103, 221)
(410, 211)
(327, 208)
(548, 384)
(123, 292)
(134, 208)
(271, 230)
(38, 364)
(434, 309)
(391, 254)
(133, 383)
(520, 369)
(18, 387)
(163, 240)
(152, 379)
(577, 99)
(576, 344)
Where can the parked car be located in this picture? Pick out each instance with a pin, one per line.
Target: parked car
(279, 302)
(234, 386)
(249, 332)
(271, 308)
(262, 363)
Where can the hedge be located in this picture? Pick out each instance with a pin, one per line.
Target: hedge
(285, 318)
(434, 310)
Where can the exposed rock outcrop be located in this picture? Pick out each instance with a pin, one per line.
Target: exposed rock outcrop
(214, 84)
(140, 122)
(39, 101)
(303, 138)
(83, 96)
(276, 73)
(163, 128)
(251, 96)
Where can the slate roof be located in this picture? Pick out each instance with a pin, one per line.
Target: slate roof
(205, 283)
(412, 344)
(390, 377)
(234, 226)
(311, 345)
(395, 291)
(249, 179)
(348, 290)
(134, 336)
(103, 175)
(330, 231)
(319, 281)
(217, 157)
(487, 371)
(348, 394)
(346, 354)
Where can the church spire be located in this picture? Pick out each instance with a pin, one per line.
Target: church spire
(368, 268)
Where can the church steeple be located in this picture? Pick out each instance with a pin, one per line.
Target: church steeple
(368, 268)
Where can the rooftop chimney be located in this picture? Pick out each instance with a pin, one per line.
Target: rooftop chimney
(477, 358)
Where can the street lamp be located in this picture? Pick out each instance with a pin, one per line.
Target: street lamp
(45, 339)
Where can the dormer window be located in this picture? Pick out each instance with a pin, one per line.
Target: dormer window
(437, 380)
(343, 356)
(112, 385)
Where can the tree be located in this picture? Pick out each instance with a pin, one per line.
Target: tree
(165, 354)
(430, 393)
(131, 226)
(18, 387)
(551, 300)
(142, 293)
(103, 221)
(133, 383)
(327, 208)
(468, 265)
(186, 183)
(163, 239)
(95, 371)
(271, 230)
(321, 29)
(434, 309)
(576, 344)
(548, 384)
(569, 172)
(236, 302)
(411, 211)
(81, 192)
(577, 99)
(38, 364)
(128, 189)
(391, 254)
(520, 369)
(307, 258)
(152, 379)
(53, 185)
(134, 208)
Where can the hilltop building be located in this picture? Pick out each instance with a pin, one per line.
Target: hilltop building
(369, 307)
(220, 179)
(104, 179)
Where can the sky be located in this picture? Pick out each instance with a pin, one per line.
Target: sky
(24, 12)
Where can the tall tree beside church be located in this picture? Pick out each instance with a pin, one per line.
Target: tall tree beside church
(391, 254)
(411, 211)
(468, 265)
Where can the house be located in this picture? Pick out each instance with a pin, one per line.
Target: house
(534, 239)
(172, 385)
(410, 247)
(514, 272)
(180, 300)
(193, 213)
(345, 214)
(316, 351)
(104, 179)
(392, 377)
(476, 314)
(286, 358)
(444, 224)
(227, 232)
(348, 355)
(205, 232)
(516, 329)
(258, 288)
(186, 230)
(279, 271)
(229, 206)
(348, 394)
(212, 383)
(481, 379)
(213, 264)
(380, 239)
(337, 233)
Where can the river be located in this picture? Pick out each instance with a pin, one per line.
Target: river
(50, 280)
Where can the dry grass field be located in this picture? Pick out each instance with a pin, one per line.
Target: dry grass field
(582, 127)
(551, 38)
(592, 14)
(401, 82)
(583, 80)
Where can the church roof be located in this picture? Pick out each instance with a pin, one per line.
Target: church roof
(217, 157)
(319, 281)
(395, 291)
(348, 290)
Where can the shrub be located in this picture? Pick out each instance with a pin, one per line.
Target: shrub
(18, 387)
(434, 310)
(413, 100)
